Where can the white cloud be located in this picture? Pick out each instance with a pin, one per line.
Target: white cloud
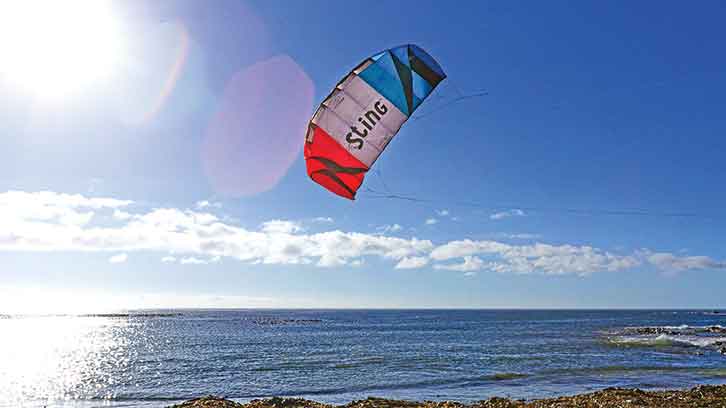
(671, 263)
(120, 258)
(356, 263)
(459, 249)
(187, 233)
(281, 227)
(190, 260)
(470, 274)
(389, 228)
(524, 236)
(505, 214)
(207, 204)
(442, 213)
(412, 262)
(431, 221)
(536, 258)
(470, 264)
(35, 200)
(323, 219)
(121, 215)
(49, 221)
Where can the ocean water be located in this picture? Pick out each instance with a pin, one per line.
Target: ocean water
(158, 358)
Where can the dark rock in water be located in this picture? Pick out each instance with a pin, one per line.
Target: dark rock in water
(657, 330)
(272, 321)
(723, 350)
(675, 331)
(715, 312)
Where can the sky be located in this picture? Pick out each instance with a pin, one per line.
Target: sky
(152, 157)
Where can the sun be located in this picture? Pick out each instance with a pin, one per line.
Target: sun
(53, 49)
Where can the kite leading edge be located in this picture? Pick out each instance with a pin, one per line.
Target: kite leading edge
(355, 123)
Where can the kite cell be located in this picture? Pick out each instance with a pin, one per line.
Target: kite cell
(355, 123)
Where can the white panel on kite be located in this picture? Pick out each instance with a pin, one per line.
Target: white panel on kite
(341, 131)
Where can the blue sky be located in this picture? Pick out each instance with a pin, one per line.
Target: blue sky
(191, 132)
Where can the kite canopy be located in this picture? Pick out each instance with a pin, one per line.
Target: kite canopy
(355, 123)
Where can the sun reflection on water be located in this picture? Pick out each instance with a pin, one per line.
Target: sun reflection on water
(62, 358)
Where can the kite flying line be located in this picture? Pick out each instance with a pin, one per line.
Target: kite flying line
(450, 102)
(387, 194)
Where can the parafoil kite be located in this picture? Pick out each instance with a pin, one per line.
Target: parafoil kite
(355, 123)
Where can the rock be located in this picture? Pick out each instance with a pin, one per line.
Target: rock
(704, 396)
(657, 330)
(209, 401)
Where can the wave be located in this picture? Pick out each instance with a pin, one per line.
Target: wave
(456, 381)
(668, 340)
(620, 369)
(675, 330)
(382, 387)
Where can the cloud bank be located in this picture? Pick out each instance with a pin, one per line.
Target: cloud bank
(49, 221)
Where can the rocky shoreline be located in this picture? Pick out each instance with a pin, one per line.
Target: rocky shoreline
(703, 396)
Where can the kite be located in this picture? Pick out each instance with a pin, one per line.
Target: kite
(365, 110)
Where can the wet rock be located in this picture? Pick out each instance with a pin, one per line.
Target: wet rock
(209, 401)
(657, 330)
(704, 396)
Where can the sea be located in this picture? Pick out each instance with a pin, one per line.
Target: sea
(158, 358)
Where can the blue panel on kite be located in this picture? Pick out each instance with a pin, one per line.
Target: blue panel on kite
(421, 88)
(382, 76)
(402, 54)
(427, 59)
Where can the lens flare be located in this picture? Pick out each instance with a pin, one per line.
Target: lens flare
(257, 132)
(158, 56)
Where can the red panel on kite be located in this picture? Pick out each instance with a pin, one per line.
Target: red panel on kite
(331, 166)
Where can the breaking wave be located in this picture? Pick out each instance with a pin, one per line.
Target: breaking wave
(710, 337)
(668, 340)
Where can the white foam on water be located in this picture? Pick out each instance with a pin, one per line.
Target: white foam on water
(668, 340)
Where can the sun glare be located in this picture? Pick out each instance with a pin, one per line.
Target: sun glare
(55, 48)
